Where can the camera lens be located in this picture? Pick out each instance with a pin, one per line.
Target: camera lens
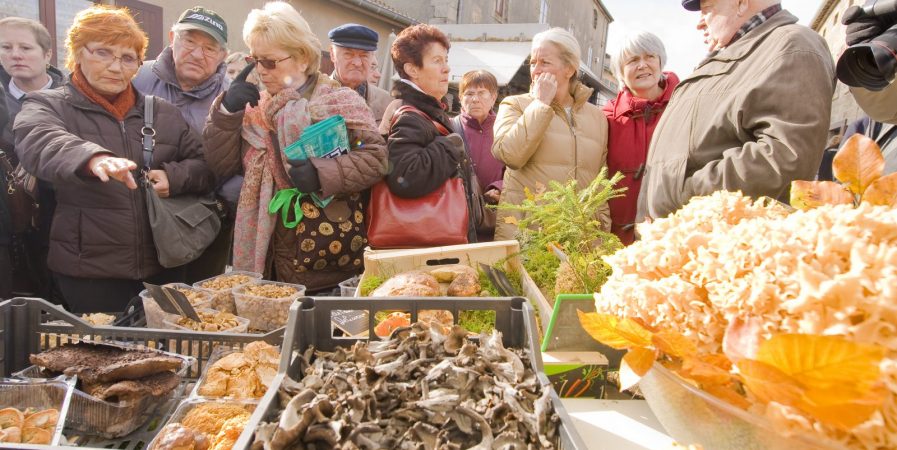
(871, 65)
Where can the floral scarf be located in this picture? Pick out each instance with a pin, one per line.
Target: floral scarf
(288, 113)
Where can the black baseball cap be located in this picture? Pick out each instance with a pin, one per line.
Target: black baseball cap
(205, 20)
(692, 5)
(353, 35)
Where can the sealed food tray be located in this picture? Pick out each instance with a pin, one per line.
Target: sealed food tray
(188, 405)
(217, 354)
(29, 325)
(309, 326)
(155, 317)
(222, 296)
(266, 313)
(54, 393)
(91, 415)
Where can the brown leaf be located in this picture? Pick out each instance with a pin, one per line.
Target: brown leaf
(858, 163)
(674, 344)
(812, 194)
(613, 331)
(635, 364)
(768, 383)
(883, 191)
(511, 220)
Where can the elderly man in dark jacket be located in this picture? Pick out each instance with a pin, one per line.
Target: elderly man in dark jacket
(753, 116)
(352, 47)
(190, 74)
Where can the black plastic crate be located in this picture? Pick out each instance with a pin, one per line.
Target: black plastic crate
(309, 325)
(30, 325)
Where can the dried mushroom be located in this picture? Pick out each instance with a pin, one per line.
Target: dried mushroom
(211, 321)
(426, 387)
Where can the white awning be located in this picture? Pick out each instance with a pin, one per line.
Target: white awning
(502, 59)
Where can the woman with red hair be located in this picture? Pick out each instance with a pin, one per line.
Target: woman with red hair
(88, 132)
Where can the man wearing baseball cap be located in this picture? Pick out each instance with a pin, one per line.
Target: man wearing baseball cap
(352, 48)
(189, 73)
(753, 116)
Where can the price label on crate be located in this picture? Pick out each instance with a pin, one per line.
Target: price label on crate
(352, 322)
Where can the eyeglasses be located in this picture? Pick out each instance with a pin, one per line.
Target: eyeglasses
(269, 64)
(106, 56)
(207, 50)
(482, 95)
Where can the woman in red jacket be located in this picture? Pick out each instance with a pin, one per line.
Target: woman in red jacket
(632, 116)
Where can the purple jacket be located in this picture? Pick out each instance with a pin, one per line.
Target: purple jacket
(489, 170)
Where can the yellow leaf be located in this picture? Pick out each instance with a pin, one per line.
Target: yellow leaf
(822, 361)
(728, 393)
(614, 331)
(635, 364)
(858, 163)
(674, 344)
(883, 191)
(812, 194)
(511, 220)
(768, 383)
(704, 372)
(829, 406)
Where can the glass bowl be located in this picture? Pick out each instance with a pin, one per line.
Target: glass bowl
(692, 416)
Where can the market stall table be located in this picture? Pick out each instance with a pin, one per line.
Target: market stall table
(617, 424)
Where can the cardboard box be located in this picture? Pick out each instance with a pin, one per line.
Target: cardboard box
(576, 374)
(389, 263)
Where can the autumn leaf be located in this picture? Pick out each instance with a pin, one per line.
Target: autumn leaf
(673, 344)
(807, 195)
(613, 331)
(635, 364)
(882, 192)
(704, 372)
(768, 383)
(742, 337)
(511, 220)
(828, 406)
(728, 393)
(821, 361)
(858, 163)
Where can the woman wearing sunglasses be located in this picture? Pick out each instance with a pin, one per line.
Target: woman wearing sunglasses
(305, 241)
(88, 132)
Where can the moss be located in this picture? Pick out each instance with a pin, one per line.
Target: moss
(370, 284)
(542, 267)
(477, 321)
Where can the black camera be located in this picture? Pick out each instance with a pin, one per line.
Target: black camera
(872, 65)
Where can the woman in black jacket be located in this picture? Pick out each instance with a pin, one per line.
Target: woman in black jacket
(421, 156)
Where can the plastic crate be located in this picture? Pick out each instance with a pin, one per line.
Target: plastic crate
(25, 328)
(309, 326)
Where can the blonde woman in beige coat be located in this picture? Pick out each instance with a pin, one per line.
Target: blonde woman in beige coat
(551, 133)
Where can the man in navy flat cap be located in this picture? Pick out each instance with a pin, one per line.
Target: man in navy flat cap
(754, 115)
(352, 48)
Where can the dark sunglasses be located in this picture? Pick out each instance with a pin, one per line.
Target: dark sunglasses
(269, 64)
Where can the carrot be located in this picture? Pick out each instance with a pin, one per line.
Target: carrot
(573, 387)
(584, 389)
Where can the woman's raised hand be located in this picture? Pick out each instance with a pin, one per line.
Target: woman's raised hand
(105, 167)
(544, 87)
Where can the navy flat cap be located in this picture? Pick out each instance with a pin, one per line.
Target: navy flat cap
(353, 35)
(692, 5)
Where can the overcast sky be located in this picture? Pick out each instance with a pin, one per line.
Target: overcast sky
(676, 27)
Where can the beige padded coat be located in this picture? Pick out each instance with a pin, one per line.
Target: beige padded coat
(539, 145)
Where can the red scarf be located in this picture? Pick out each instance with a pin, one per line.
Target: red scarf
(119, 107)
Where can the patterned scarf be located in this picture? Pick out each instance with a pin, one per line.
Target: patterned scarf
(287, 113)
(118, 107)
(755, 22)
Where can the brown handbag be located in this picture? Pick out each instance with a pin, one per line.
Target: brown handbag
(432, 220)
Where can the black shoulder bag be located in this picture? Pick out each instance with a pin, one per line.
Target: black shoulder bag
(183, 226)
